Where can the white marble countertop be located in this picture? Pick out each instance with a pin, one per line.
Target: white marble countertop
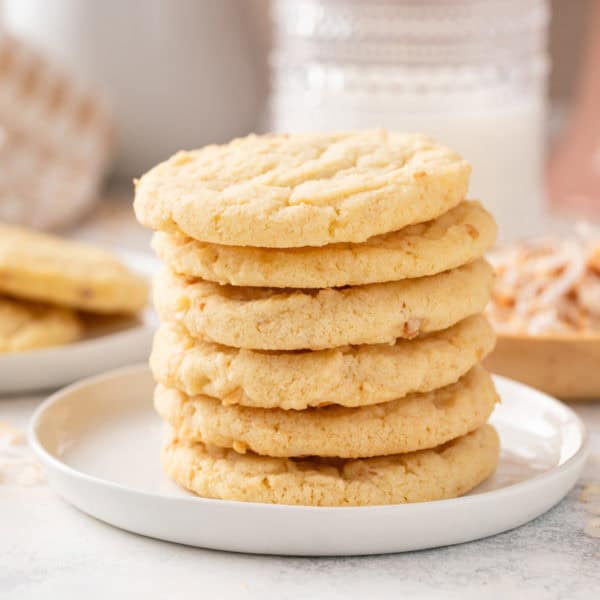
(50, 550)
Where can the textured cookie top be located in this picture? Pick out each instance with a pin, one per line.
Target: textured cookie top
(276, 319)
(28, 325)
(42, 267)
(349, 376)
(446, 471)
(303, 189)
(457, 237)
(415, 422)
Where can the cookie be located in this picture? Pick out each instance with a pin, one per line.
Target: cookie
(273, 319)
(350, 376)
(415, 422)
(458, 237)
(443, 472)
(283, 191)
(41, 267)
(29, 325)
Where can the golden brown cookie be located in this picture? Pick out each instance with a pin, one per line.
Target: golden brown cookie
(45, 268)
(29, 325)
(443, 472)
(415, 422)
(350, 376)
(457, 237)
(274, 319)
(283, 191)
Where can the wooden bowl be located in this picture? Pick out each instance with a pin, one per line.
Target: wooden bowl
(564, 366)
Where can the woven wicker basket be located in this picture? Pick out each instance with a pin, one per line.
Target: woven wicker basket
(55, 140)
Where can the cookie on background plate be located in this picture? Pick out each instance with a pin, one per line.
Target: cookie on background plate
(446, 471)
(415, 422)
(274, 319)
(283, 191)
(30, 325)
(349, 376)
(459, 236)
(45, 268)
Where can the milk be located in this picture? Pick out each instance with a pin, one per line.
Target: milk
(504, 145)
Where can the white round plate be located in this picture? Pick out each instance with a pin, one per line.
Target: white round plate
(108, 343)
(99, 442)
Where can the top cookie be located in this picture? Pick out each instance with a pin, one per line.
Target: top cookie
(280, 191)
(36, 266)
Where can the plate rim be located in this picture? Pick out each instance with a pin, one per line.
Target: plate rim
(50, 461)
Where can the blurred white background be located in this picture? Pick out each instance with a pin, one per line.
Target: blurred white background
(182, 74)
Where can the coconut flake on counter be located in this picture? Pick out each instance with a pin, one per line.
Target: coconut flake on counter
(548, 285)
(17, 464)
(10, 435)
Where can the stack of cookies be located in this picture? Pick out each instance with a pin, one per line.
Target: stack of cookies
(49, 288)
(321, 319)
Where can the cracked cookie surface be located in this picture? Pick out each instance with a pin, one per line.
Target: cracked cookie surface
(282, 191)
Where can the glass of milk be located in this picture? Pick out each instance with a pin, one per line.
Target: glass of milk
(471, 73)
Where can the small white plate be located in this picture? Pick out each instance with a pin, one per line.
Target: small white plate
(99, 443)
(108, 343)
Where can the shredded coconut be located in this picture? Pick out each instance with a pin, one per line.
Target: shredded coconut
(590, 492)
(548, 285)
(411, 328)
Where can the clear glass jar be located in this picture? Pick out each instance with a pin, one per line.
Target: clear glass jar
(471, 73)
